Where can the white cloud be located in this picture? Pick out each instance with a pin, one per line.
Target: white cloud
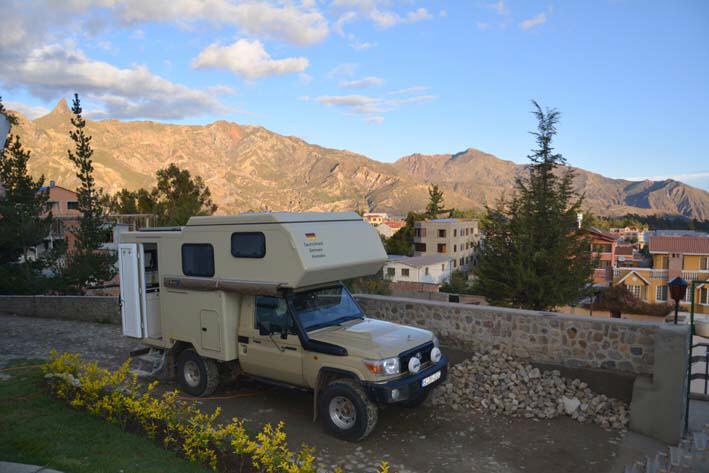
(137, 34)
(362, 83)
(339, 25)
(373, 108)
(346, 69)
(388, 18)
(499, 7)
(361, 46)
(286, 22)
(305, 78)
(377, 11)
(55, 70)
(535, 21)
(248, 59)
(416, 89)
(30, 111)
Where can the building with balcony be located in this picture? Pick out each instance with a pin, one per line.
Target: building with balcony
(603, 252)
(672, 256)
(375, 218)
(454, 238)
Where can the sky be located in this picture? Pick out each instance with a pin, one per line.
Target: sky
(385, 78)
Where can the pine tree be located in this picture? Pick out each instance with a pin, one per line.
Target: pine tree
(435, 202)
(534, 255)
(24, 218)
(88, 264)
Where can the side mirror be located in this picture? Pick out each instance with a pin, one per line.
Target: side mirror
(264, 329)
(284, 332)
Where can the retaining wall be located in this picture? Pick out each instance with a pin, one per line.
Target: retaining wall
(102, 309)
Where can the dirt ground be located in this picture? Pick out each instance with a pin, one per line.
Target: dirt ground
(419, 440)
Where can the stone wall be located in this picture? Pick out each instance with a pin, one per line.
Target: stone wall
(102, 309)
(544, 337)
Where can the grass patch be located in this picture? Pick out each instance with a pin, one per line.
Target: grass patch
(40, 430)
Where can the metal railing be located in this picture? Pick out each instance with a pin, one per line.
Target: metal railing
(695, 275)
(701, 358)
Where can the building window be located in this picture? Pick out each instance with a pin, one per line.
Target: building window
(420, 247)
(461, 262)
(417, 232)
(443, 267)
(454, 265)
(455, 248)
(72, 205)
(426, 270)
(198, 260)
(248, 245)
(704, 296)
(441, 233)
(442, 248)
(405, 272)
(391, 272)
(636, 291)
(455, 232)
(661, 294)
(704, 263)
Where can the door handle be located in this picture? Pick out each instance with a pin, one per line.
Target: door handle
(204, 329)
(256, 340)
(291, 348)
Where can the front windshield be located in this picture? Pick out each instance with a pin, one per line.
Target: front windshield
(322, 307)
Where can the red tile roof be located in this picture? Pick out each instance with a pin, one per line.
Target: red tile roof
(395, 223)
(679, 244)
(624, 250)
(603, 235)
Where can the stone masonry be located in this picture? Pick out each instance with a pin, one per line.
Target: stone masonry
(544, 337)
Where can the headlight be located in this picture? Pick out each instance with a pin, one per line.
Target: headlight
(436, 354)
(386, 366)
(436, 343)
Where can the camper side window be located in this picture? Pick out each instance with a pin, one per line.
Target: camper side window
(273, 310)
(248, 245)
(198, 260)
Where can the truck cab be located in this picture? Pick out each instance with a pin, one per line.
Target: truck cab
(260, 295)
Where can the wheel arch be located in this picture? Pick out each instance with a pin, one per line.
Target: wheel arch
(326, 375)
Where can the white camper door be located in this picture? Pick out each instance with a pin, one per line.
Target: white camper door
(131, 294)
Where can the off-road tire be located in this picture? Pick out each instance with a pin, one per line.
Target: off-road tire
(208, 373)
(415, 402)
(366, 411)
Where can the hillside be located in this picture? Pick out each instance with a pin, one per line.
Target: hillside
(252, 168)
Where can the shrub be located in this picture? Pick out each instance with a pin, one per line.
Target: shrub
(118, 397)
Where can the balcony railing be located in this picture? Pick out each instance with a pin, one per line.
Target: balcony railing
(658, 274)
(697, 275)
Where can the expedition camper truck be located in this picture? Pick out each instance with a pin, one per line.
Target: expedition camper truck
(259, 294)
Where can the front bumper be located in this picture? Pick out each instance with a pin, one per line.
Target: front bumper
(406, 387)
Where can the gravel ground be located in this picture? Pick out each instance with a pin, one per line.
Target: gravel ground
(427, 439)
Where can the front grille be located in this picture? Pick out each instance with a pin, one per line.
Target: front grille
(424, 350)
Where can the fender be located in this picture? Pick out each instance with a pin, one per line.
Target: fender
(325, 373)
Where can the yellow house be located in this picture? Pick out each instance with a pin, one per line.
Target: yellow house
(672, 256)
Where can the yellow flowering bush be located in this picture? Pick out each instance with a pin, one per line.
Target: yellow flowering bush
(120, 398)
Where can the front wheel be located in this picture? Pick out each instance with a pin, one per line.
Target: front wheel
(197, 376)
(346, 411)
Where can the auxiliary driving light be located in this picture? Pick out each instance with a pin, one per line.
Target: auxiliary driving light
(394, 394)
(436, 355)
(414, 364)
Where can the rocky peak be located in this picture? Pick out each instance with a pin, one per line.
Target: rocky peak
(59, 116)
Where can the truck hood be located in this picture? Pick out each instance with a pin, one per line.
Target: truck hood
(373, 339)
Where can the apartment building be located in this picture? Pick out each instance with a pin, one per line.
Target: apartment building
(672, 256)
(455, 238)
(603, 252)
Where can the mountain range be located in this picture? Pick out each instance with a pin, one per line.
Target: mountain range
(252, 168)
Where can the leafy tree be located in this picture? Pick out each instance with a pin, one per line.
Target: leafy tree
(175, 198)
(87, 264)
(533, 255)
(457, 284)
(402, 242)
(435, 202)
(24, 218)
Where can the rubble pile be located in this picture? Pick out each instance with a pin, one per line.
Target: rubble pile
(497, 383)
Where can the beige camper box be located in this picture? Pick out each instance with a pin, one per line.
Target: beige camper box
(260, 294)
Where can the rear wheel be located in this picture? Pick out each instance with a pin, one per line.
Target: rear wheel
(345, 410)
(197, 376)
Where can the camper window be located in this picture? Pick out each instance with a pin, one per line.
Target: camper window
(198, 260)
(248, 245)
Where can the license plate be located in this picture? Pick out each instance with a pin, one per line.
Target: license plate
(430, 379)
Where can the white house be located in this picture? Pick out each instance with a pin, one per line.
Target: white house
(430, 269)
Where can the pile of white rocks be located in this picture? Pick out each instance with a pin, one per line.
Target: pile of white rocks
(497, 383)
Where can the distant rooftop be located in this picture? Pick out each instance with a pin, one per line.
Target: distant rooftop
(679, 244)
(421, 261)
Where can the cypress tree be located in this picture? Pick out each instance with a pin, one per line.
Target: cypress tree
(533, 255)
